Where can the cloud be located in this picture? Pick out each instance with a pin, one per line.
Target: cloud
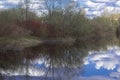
(115, 75)
(99, 6)
(118, 69)
(109, 65)
(90, 4)
(1, 6)
(35, 6)
(118, 3)
(101, 1)
(94, 78)
(106, 59)
(33, 71)
(100, 56)
(92, 7)
(36, 3)
(13, 1)
(8, 3)
(85, 61)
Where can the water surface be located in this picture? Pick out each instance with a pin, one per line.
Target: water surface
(61, 62)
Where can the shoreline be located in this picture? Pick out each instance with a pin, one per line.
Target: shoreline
(21, 43)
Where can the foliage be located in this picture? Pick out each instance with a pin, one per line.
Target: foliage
(15, 15)
(76, 25)
(59, 23)
(9, 22)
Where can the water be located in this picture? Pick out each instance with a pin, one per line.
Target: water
(61, 62)
(103, 65)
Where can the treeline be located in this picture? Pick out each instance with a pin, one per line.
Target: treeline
(9, 23)
(58, 24)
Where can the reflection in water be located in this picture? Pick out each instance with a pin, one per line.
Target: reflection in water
(55, 62)
(45, 60)
(104, 64)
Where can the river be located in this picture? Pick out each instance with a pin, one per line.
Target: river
(61, 62)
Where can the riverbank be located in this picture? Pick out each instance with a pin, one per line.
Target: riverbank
(10, 43)
(7, 43)
(19, 43)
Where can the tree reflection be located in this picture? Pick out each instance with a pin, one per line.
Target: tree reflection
(10, 59)
(59, 61)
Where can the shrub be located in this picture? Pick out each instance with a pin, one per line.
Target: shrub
(15, 15)
(12, 30)
(66, 23)
(38, 28)
(9, 22)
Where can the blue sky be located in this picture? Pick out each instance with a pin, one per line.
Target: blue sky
(92, 7)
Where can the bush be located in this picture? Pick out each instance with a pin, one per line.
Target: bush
(39, 28)
(60, 23)
(12, 30)
(9, 22)
(66, 23)
(15, 15)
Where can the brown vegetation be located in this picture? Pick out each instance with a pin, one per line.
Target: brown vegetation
(38, 28)
(12, 30)
(58, 25)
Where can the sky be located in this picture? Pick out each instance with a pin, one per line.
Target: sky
(97, 7)
(92, 7)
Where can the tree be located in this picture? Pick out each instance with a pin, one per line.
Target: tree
(24, 8)
(26, 2)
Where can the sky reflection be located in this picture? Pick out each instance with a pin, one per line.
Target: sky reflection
(104, 64)
(98, 65)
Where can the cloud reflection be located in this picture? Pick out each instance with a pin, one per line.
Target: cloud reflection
(94, 78)
(105, 59)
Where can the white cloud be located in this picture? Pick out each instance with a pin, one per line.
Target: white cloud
(117, 52)
(1, 6)
(34, 6)
(85, 61)
(112, 6)
(92, 7)
(109, 60)
(100, 56)
(91, 4)
(96, 13)
(109, 8)
(1, 2)
(36, 1)
(38, 61)
(13, 1)
(109, 65)
(102, 1)
(115, 75)
(31, 70)
(118, 69)
(74, 0)
(118, 3)
(94, 78)
(105, 59)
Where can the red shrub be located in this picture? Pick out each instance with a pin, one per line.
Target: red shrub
(39, 28)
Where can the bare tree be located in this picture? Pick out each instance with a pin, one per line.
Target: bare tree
(26, 3)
